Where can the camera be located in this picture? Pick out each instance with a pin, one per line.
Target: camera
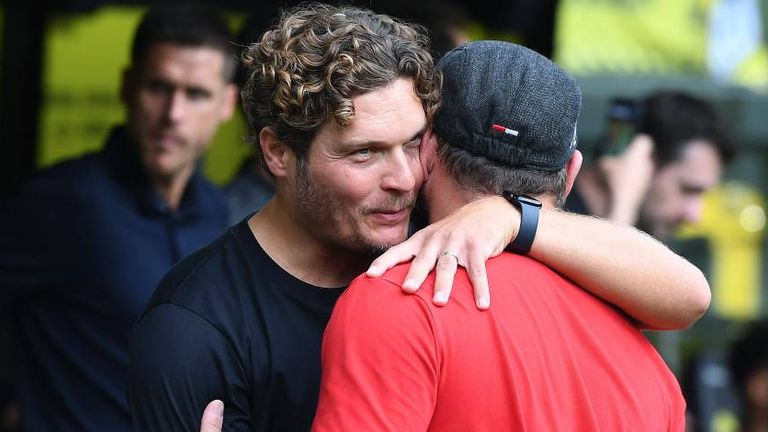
(622, 119)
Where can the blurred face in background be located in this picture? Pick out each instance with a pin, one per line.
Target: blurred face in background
(176, 99)
(677, 188)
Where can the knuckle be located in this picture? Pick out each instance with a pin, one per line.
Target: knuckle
(478, 272)
(421, 260)
(445, 262)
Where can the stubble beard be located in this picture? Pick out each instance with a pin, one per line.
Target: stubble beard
(318, 206)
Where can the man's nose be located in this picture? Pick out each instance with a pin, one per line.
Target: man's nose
(401, 172)
(176, 107)
(692, 209)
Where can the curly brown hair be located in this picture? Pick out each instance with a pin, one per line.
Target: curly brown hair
(307, 69)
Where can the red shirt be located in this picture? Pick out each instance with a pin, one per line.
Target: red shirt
(547, 356)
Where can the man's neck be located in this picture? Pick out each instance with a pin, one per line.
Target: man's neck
(296, 250)
(171, 189)
(442, 194)
(445, 196)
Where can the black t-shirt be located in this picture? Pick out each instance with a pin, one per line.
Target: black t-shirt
(228, 323)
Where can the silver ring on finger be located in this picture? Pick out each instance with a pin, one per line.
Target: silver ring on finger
(453, 254)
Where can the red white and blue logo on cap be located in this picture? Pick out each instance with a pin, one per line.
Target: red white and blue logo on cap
(505, 130)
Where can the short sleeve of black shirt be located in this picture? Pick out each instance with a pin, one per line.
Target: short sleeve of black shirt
(228, 323)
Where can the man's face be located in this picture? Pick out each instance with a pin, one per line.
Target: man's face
(675, 194)
(359, 185)
(176, 100)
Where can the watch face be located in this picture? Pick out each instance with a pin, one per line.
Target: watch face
(528, 200)
(521, 199)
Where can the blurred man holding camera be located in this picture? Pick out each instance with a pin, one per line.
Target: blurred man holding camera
(657, 160)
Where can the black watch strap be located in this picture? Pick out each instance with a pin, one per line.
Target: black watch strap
(529, 221)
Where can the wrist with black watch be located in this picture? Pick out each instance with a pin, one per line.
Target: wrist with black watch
(529, 221)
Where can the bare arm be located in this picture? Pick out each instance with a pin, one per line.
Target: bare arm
(620, 264)
(628, 177)
(624, 266)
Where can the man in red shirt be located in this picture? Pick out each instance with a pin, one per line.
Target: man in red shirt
(548, 355)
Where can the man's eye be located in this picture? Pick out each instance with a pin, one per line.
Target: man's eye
(692, 190)
(158, 87)
(363, 152)
(197, 94)
(414, 143)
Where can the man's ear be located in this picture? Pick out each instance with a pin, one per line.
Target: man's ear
(230, 100)
(428, 152)
(280, 159)
(128, 85)
(572, 168)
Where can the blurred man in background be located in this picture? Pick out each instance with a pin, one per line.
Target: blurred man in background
(84, 244)
(652, 170)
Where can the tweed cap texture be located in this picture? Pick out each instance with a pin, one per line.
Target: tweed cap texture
(509, 104)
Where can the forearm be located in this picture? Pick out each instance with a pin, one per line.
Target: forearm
(624, 266)
(628, 176)
(620, 264)
(623, 211)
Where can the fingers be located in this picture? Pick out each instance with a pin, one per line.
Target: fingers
(393, 256)
(642, 144)
(479, 279)
(213, 417)
(447, 264)
(475, 227)
(421, 265)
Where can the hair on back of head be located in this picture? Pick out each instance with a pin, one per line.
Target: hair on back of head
(479, 176)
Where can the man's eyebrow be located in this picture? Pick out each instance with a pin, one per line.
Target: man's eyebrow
(357, 144)
(418, 134)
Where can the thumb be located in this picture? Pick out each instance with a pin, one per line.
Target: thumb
(213, 417)
(642, 145)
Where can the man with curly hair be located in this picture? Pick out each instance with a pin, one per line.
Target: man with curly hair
(340, 99)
